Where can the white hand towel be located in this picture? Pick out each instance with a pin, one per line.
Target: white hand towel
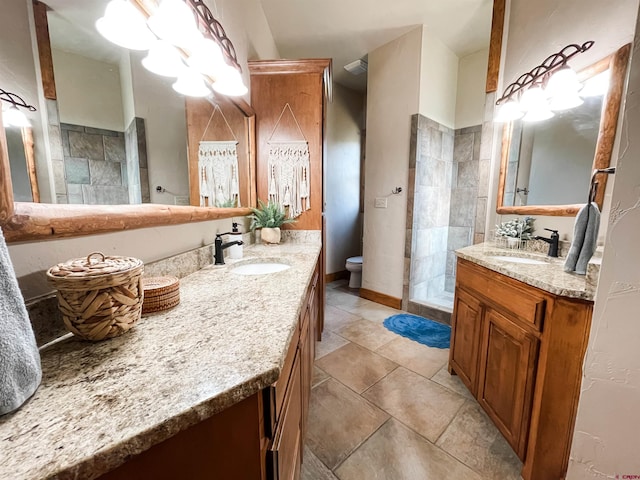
(585, 239)
(20, 371)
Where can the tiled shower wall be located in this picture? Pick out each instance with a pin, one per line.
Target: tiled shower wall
(465, 207)
(445, 211)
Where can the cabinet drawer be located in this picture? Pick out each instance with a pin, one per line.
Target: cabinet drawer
(502, 292)
(276, 392)
(286, 447)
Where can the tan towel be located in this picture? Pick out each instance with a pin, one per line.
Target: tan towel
(20, 371)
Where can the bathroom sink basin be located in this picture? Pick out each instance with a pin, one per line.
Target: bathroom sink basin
(529, 261)
(259, 268)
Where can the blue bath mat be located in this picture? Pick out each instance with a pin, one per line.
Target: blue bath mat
(420, 329)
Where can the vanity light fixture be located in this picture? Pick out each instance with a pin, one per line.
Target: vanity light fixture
(210, 54)
(12, 116)
(551, 86)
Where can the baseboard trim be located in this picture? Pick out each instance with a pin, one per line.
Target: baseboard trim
(381, 298)
(332, 277)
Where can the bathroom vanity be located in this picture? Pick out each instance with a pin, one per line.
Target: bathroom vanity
(217, 387)
(519, 335)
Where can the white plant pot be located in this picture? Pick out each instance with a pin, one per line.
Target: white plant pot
(270, 236)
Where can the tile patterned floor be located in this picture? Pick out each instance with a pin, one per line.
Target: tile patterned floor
(384, 407)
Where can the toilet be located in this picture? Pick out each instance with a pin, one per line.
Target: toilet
(354, 265)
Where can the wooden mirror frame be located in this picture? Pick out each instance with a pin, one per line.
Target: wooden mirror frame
(23, 221)
(617, 63)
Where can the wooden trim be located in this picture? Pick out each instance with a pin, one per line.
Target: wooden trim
(495, 45)
(29, 155)
(332, 277)
(6, 187)
(381, 298)
(39, 221)
(44, 49)
(617, 62)
(271, 67)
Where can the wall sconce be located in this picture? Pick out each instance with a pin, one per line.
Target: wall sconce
(11, 115)
(551, 86)
(177, 47)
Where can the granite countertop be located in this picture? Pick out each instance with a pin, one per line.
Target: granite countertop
(549, 276)
(100, 403)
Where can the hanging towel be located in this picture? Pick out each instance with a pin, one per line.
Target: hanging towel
(20, 371)
(585, 238)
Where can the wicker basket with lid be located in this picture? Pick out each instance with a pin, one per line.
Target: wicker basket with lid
(99, 296)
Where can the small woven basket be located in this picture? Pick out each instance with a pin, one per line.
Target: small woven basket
(160, 293)
(101, 297)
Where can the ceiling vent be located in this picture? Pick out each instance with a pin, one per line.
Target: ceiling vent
(357, 68)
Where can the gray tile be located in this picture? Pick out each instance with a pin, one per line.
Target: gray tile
(104, 195)
(62, 199)
(66, 151)
(413, 140)
(481, 215)
(101, 131)
(477, 141)
(339, 421)
(356, 367)
(449, 283)
(83, 145)
(114, 149)
(448, 146)
(486, 143)
(69, 126)
(435, 144)
(314, 469)
(484, 171)
(335, 318)
(75, 199)
(330, 342)
(475, 441)
(105, 173)
(141, 133)
(395, 452)
(467, 174)
(55, 142)
(471, 129)
(144, 185)
(463, 148)
(428, 409)
(459, 237)
(463, 207)
(452, 382)
(77, 170)
(52, 112)
(59, 182)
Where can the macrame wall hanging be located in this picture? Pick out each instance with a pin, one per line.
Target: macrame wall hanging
(218, 169)
(289, 169)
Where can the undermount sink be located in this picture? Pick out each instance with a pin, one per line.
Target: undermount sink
(529, 261)
(260, 268)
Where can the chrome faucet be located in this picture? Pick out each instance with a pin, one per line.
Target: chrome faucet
(219, 247)
(553, 242)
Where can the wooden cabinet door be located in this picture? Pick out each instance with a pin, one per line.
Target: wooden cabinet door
(286, 447)
(306, 368)
(465, 338)
(508, 359)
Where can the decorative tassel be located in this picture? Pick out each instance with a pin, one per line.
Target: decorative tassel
(218, 167)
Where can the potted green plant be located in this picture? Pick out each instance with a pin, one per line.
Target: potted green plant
(516, 230)
(269, 218)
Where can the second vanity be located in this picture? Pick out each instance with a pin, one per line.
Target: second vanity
(519, 335)
(217, 387)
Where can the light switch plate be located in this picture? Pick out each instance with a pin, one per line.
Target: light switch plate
(380, 202)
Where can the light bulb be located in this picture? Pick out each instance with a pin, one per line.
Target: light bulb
(191, 84)
(174, 22)
(230, 83)
(508, 112)
(125, 26)
(532, 98)
(563, 81)
(565, 101)
(163, 59)
(207, 58)
(538, 113)
(15, 118)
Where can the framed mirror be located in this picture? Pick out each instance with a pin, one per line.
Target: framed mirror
(96, 187)
(546, 166)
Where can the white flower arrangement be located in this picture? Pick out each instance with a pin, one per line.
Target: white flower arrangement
(516, 228)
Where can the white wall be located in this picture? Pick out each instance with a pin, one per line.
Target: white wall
(88, 91)
(393, 85)
(438, 80)
(342, 178)
(605, 443)
(537, 29)
(31, 259)
(472, 78)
